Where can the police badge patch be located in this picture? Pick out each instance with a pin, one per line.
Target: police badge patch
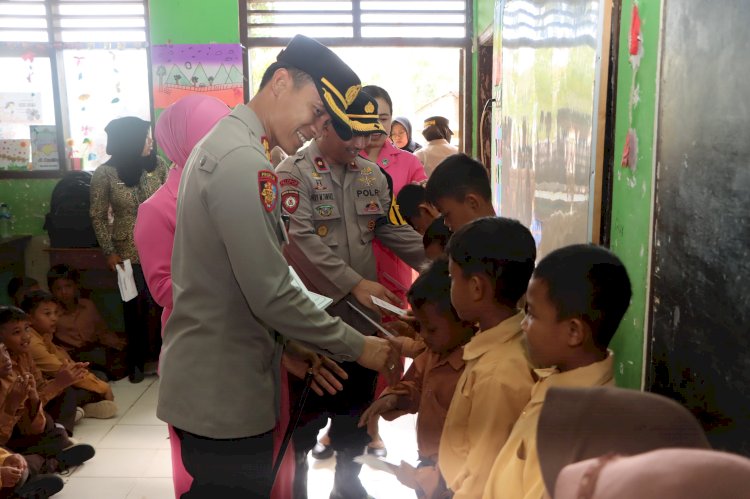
(290, 201)
(268, 189)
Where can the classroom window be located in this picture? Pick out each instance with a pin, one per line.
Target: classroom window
(69, 67)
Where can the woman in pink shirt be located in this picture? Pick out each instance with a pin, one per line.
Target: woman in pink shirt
(180, 127)
(404, 168)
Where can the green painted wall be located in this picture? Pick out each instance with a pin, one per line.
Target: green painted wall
(632, 190)
(28, 201)
(194, 21)
(484, 15)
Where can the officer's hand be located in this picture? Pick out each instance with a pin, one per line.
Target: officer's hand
(401, 329)
(326, 373)
(364, 289)
(113, 261)
(379, 355)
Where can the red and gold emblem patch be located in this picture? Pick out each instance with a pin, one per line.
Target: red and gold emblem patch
(268, 189)
(290, 201)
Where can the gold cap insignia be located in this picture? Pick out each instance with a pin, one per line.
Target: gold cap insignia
(369, 108)
(351, 94)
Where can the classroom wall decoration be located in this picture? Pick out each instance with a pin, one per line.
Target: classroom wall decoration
(14, 154)
(214, 69)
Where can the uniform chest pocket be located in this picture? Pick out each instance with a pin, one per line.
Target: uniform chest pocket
(368, 212)
(327, 221)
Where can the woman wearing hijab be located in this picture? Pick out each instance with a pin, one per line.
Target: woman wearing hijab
(131, 175)
(438, 135)
(179, 128)
(401, 135)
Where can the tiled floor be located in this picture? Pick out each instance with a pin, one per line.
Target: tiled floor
(133, 460)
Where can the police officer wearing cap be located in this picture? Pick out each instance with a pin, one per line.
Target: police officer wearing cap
(438, 134)
(338, 203)
(234, 303)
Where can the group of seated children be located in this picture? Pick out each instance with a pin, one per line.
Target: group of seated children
(539, 327)
(50, 344)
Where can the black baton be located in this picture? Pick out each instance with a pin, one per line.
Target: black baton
(293, 422)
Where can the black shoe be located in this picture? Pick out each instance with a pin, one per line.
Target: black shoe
(379, 452)
(75, 455)
(321, 451)
(40, 486)
(136, 375)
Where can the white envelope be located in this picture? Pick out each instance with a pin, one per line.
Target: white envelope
(125, 281)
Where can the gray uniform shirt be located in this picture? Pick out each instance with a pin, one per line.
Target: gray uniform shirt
(334, 217)
(219, 366)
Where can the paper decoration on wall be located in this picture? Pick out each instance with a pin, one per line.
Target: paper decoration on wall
(20, 107)
(44, 148)
(14, 154)
(635, 47)
(211, 69)
(630, 151)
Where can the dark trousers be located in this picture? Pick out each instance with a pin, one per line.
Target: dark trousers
(345, 408)
(108, 361)
(142, 324)
(238, 468)
(63, 407)
(41, 449)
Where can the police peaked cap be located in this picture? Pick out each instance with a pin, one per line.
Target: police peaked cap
(363, 113)
(337, 84)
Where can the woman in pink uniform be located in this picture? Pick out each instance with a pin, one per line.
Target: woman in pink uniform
(404, 168)
(180, 127)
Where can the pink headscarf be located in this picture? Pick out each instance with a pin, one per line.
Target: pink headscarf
(184, 123)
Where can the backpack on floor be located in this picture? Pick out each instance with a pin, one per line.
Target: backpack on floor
(68, 223)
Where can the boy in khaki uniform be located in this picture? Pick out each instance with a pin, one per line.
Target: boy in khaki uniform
(490, 262)
(575, 301)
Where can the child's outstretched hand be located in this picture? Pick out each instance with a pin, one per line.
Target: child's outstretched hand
(407, 475)
(17, 461)
(382, 405)
(401, 328)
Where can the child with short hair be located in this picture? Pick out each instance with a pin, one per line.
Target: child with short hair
(19, 286)
(81, 330)
(427, 387)
(460, 189)
(574, 303)
(490, 262)
(24, 427)
(91, 393)
(435, 239)
(413, 206)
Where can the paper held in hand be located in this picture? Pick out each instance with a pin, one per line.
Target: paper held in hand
(367, 317)
(320, 301)
(125, 281)
(388, 306)
(375, 463)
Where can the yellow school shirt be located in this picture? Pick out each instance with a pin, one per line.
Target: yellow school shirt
(489, 397)
(516, 473)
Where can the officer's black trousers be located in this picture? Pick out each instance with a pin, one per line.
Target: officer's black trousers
(238, 468)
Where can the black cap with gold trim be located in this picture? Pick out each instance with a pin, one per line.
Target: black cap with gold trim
(363, 113)
(337, 84)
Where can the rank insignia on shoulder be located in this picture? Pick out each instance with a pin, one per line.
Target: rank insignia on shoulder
(266, 147)
(325, 210)
(320, 165)
(268, 189)
(322, 230)
(290, 201)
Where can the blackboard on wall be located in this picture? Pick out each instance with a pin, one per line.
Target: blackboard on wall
(700, 319)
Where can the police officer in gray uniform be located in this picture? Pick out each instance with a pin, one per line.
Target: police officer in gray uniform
(233, 294)
(338, 203)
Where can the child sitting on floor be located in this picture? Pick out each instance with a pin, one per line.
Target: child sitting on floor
(24, 426)
(91, 393)
(81, 330)
(427, 387)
